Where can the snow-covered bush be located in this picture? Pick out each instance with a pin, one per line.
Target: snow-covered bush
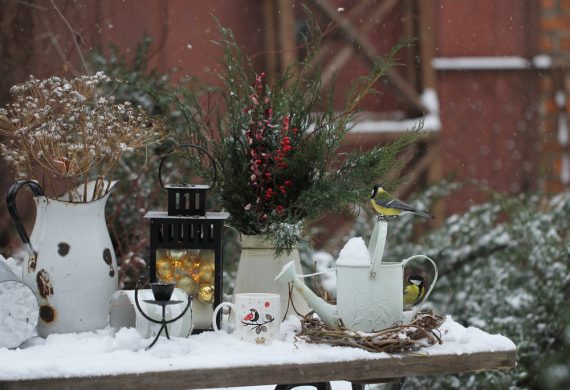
(504, 267)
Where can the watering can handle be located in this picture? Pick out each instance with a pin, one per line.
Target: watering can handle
(201, 149)
(11, 202)
(377, 245)
(431, 285)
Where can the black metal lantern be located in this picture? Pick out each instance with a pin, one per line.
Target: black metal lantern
(186, 245)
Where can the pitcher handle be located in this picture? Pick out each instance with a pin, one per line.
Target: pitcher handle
(416, 308)
(11, 202)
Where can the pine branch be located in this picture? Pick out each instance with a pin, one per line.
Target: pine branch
(276, 146)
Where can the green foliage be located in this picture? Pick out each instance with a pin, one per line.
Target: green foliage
(138, 189)
(132, 77)
(504, 267)
(277, 147)
(299, 124)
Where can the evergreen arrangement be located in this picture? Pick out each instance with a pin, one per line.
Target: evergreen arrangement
(277, 147)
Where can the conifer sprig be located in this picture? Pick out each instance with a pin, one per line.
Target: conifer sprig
(277, 146)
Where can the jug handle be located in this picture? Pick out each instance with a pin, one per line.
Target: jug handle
(431, 285)
(11, 202)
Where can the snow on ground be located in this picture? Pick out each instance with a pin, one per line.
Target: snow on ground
(106, 352)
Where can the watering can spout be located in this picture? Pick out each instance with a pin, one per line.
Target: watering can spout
(327, 313)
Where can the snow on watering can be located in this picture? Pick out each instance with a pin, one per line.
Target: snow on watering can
(369, 292)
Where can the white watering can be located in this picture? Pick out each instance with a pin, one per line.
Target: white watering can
(369, 293)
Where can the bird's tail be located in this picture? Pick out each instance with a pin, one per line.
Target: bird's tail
(423, 214)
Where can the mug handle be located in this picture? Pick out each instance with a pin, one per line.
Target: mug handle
(218, 308)
(416, 308)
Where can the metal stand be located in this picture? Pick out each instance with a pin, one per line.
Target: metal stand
(400, 384)
(163, 320)
(318, 386)
(392, 384)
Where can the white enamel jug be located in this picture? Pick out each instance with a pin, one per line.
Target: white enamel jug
(71, 264)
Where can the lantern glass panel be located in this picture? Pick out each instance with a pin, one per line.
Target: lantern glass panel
(193, 271)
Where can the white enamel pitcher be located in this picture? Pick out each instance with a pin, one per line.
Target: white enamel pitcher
(71, 265)
(369, 294)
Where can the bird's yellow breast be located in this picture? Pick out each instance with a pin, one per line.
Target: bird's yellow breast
(411, 294)
(384, 210)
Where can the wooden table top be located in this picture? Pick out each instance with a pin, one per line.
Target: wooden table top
(361, 370)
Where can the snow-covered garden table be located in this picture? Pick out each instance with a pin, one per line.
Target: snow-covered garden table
(118, 360)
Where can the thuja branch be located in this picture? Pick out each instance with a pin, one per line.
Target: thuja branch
(277, 146)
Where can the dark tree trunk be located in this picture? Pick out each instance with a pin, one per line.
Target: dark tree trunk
(16, 35)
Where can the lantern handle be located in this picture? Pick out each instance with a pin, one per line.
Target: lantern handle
(201, 149)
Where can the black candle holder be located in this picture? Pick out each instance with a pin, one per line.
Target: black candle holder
(162, 293)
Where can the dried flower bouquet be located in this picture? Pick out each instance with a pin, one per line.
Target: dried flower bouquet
(60, 131)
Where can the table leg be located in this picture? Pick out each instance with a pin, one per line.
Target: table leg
(317, 385)
(396, 384)
(399, 385)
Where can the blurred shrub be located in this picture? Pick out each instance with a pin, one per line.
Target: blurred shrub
(139, 189)
(504, 268)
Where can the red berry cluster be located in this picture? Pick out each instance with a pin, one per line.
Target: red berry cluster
(268, 150)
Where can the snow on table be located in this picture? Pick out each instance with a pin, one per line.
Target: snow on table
(106, 352)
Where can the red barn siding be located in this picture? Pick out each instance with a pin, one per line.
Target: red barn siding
(489, 117)
(490, 127)
(486, 27)
(489, 131)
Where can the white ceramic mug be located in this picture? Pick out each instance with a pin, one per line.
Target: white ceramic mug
(255, 315)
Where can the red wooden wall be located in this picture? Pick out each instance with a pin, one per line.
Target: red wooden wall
(491, 118)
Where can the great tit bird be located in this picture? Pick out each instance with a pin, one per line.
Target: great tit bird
(414, 291)
(387, 205)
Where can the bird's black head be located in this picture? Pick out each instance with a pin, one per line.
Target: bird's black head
(416, 279)
(375, 190)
